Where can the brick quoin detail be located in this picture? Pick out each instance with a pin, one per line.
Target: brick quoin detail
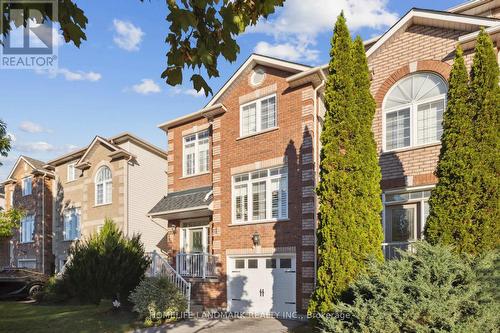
(438, 67)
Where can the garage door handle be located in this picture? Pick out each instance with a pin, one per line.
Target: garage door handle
(235, 299)
(289, 271)
(235, 271)
(289, 302)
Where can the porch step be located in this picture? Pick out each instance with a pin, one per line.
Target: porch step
(196, 308)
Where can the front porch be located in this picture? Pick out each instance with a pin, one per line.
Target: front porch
(188, 215)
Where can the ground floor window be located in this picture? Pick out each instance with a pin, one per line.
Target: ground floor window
(26, 263)
(404, 219)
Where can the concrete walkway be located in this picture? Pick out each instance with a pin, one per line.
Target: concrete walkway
(235, 325)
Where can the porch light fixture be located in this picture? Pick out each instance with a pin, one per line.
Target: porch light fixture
(256, 239)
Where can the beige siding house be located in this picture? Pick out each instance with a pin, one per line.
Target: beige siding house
(112, 178)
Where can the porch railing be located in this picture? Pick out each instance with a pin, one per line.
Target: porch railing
(200, 265)
(390, 249)
(160, 267)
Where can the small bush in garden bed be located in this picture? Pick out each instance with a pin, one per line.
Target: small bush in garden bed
(106, 265)
(157, 295)
(432, 290)
(53, 292)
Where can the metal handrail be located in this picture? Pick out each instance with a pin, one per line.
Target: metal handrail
(160, 267)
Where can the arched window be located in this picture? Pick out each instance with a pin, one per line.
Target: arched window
(413, 111)
(103, 186)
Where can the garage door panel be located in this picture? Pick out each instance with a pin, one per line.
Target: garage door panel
(262, 284)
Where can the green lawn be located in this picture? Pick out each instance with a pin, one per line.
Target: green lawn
(29, 317)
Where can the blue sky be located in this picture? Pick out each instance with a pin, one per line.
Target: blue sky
(112, 83)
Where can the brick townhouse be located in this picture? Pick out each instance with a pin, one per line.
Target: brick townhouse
(117, 178)
(241, 208)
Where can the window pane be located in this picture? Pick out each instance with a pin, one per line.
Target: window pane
(203, 155)
(397, 125)
(109, 192)
(396, 197)
(99, 193)
(253, 263)
(275, 194)
(241, 202)
(429, 122)
(270, 263)
(400, 223)
(249, 119)
(239, 263)
(268, 113)
(259, 200)
(285, 263)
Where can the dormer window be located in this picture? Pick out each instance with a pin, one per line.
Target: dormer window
(27, 186)
(413, 111)
(258, 116)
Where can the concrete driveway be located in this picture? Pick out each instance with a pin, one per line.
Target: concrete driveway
(236, 325)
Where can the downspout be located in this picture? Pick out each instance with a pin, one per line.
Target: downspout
(316, 170)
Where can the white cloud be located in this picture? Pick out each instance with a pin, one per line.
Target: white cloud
(146, 87)
(190, 92)
(71, 75)
(296, 26)
(128, 36)
(288, 51)
(31, 127)
(33, 147)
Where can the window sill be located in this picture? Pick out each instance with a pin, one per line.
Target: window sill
(30, 242)
(235, 224)
(400, 150)
(70, 240)
(257, 133)
(195, 175)
(104, 204)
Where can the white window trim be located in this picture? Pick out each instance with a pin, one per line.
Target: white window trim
(66, 213)
(68, 178)
(258, 120)
(25, 260)
(413, 106)
(23, 186)
(196, 155)
(23, 221)
(184, 241)
(104, 188)
(404, 202)
(269, 210)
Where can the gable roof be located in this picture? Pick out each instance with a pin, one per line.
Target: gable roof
(434, 18)
(252, 60)
(258, 59)
(35, 164)
(112, 143)
(100, 140)
(474, 6)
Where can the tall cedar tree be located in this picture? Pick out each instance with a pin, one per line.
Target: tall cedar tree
(464, 205)
(484, 99)
(453, 200)
(349, 229)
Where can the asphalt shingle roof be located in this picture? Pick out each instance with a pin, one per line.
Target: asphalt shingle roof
(36, 163)
(183, 200)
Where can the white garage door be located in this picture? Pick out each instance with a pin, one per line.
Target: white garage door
(264, 285)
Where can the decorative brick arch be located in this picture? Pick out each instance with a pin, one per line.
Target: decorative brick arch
(435, 66)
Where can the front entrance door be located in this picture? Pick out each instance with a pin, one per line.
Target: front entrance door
(194, 240)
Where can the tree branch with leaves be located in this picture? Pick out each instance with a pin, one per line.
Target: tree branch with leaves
(9, 221)
(201, 31)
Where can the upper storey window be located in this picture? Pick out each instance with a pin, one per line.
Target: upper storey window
(103, 186)
(258, 116)
(196, 153)
(413, 111)
(27, 186)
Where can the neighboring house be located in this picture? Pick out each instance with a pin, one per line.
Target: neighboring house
(118, 178)
(29, 187)
(2, 198)
(241, 208)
